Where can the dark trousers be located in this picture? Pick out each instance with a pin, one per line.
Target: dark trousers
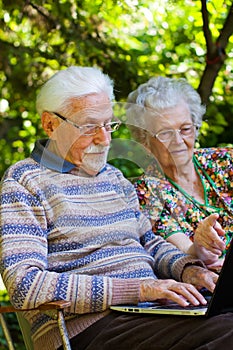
(139, 332)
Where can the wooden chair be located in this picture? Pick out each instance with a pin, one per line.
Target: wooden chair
(58, 306)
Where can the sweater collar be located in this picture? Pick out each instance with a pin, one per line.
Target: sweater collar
(50, 160)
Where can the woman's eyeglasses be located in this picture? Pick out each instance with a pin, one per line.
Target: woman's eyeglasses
(167, 135)
(91, 129)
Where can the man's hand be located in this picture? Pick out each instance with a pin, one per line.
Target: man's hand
(182, 293)
(200, 277)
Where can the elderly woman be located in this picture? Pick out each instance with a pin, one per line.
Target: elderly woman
(186, 192)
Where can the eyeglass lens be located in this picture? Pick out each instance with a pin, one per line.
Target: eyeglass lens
(167, 135)
(93, 129)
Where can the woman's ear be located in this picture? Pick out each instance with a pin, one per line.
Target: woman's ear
(49, 123)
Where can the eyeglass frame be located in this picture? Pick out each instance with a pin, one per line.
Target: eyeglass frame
(174, 131)
(80, 127)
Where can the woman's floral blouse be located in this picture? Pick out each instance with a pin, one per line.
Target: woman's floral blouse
(172, 210)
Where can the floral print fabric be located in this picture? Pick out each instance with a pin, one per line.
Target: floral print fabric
(172, 210)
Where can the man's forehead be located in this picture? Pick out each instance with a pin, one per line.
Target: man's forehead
(91, 107)
(90, 100)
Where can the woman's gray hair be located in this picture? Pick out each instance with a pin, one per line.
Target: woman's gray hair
(159, 94)
(69, 83)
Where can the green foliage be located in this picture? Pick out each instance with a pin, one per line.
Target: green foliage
(13, 326)
(130, 40)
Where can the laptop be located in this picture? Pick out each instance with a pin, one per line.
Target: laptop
(221, 301)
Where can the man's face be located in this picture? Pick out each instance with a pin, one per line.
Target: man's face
(88, 152)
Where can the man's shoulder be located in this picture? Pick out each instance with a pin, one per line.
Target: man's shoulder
(112, 169)
(118, 176)
(17, 169)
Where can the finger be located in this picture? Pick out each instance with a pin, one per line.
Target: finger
(209, 280)
(211, 246)
(216, 265)
(199, 276)
(177, 298)
(213, 240)
(217, 240)
(207, 236)
(209, 284)
(218, 228)
(215, 251)
(212, 218)
(188, 294)
(194, 296)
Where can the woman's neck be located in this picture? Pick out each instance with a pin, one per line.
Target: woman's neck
(189, 180)
(180, 174)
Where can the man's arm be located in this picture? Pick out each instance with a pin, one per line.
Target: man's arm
(169, 260)
(25, 268)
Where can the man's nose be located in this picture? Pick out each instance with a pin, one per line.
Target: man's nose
(102, 137)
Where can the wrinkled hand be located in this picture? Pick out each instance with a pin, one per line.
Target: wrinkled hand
(211, 260)
(182, 293)
(207, 239)
(200, 277)
(216, 265)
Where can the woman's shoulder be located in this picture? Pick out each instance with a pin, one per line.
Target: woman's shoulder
(146, 184)
(145, 180)
(218, 154)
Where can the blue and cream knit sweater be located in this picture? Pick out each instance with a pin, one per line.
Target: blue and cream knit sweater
(78, 238)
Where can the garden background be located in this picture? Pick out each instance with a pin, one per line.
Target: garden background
(131, 41)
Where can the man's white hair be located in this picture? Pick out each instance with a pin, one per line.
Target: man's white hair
(69, 83)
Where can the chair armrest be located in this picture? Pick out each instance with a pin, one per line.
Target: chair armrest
(7, 308)
(53, 305)
(57, 306)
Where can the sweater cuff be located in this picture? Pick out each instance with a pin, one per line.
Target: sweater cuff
(185, 261)
(125, 291)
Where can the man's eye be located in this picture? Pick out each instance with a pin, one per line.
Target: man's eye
(89, 128)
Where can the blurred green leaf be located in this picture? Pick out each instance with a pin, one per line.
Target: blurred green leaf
(130, 40)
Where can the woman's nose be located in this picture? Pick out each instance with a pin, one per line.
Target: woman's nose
(177, 137)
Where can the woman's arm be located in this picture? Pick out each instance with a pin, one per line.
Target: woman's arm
(184, 243)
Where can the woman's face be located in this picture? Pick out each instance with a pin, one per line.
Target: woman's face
(177, 151)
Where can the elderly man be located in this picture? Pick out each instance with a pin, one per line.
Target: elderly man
(71, 229)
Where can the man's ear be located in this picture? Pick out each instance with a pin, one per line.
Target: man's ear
(49, 123)
(146, 141)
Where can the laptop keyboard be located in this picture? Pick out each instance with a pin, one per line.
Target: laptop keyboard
(178, 307)
(172, 305)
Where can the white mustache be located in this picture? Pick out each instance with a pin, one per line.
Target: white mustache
(96, 149)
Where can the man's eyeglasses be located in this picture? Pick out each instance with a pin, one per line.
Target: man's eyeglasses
(91, 129)
(167, 135)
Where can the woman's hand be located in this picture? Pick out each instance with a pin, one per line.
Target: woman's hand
(208, 242)
(179, 292)
(212, 261)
